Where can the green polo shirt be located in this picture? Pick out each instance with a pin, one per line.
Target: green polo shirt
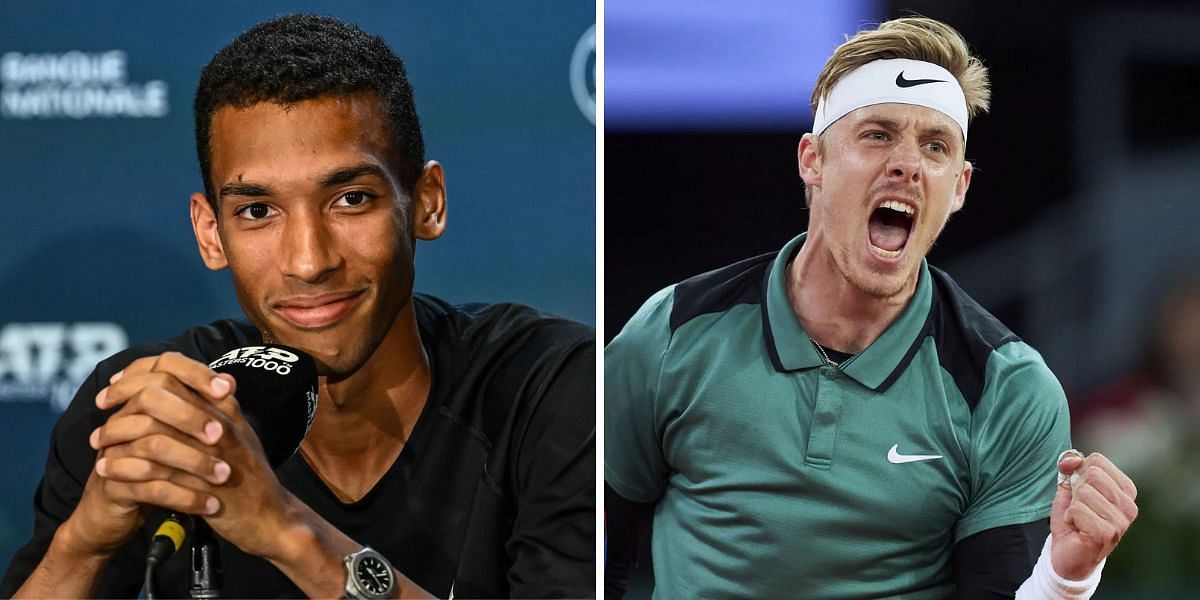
(779, 476)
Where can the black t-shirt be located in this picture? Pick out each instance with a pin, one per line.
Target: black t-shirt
(492, 496)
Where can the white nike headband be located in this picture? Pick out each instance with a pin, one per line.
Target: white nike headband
(893, 80)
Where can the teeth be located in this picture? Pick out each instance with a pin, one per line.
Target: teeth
(885, 253)
(898, 206)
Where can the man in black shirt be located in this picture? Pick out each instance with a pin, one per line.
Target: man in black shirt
(457, 442)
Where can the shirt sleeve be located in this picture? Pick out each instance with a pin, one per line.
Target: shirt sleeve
(634, 465)
(553, 545)
(995, 562)
(69, 462)
(1019, 428)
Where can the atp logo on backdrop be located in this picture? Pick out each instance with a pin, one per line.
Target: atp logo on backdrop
(76, 85)
(47, 362)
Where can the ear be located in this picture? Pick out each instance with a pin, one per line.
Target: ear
(960, 187)
(808, 157)
(208, 238)
(429, 203)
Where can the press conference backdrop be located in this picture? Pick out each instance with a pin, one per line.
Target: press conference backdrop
(97, 160)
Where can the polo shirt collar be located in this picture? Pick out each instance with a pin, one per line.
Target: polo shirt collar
(791, 350)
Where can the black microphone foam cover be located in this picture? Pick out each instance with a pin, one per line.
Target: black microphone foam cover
(277, 391)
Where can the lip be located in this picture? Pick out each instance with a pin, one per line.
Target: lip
(892, 260)
(315, 312)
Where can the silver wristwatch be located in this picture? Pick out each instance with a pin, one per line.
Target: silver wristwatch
(369, 576)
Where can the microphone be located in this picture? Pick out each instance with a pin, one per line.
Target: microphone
(277, 392)
(167, 539)
(275, 384)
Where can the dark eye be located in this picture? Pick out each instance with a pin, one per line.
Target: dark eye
(353, 199)
(255, 211)
(876, 135)
(937, 147)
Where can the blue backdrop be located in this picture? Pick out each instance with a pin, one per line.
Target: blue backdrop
(97, 160)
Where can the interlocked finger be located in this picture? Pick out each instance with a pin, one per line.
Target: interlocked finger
(228, 406)
(132, 469)
(166, 454)
(166, 494)
(154, 406)
(187, 373)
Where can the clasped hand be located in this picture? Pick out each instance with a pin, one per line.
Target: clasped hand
(179, 441)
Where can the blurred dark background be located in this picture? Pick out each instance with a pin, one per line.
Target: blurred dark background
(1077, 230)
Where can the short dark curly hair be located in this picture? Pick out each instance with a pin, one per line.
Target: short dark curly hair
(298, 57)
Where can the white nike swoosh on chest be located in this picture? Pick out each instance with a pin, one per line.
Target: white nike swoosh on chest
(896, 458)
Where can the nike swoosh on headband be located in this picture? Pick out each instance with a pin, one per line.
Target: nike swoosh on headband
(885, 80)
(907, 83)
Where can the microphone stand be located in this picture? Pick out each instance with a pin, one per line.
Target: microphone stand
(206, 561)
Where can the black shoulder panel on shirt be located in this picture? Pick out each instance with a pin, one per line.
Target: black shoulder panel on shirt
(965, 335)
(720, 290)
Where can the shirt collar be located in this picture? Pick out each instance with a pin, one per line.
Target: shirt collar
(791, 350)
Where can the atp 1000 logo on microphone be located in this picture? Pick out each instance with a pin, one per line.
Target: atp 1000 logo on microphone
(272, 359)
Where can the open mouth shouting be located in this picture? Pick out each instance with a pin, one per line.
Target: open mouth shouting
(889, 227)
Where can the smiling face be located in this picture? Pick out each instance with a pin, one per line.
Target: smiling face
(314, 225)
(884, 183)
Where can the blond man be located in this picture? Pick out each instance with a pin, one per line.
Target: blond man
(839, 419)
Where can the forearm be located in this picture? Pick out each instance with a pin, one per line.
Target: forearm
(626, 523)
(994, 562)
(311, 551)
(66, 571)
(1045, 583)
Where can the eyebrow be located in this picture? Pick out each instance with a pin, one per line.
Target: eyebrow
(939, 131)
(891, 125)
(348, 174)
(243, 189)
(883, 122)
(335, 177)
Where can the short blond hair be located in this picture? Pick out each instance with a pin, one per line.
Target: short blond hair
(915, 38)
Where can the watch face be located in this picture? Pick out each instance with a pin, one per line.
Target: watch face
(374, 576)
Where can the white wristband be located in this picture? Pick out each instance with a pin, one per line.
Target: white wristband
(1044, 583)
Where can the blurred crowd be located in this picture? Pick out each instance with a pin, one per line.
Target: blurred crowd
(1148, 423)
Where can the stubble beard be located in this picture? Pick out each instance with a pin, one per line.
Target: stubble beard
(880, 286)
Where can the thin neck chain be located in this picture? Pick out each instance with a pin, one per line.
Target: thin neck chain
(820, 349)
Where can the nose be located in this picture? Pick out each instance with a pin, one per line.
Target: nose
(308, 249)
(904, 164)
